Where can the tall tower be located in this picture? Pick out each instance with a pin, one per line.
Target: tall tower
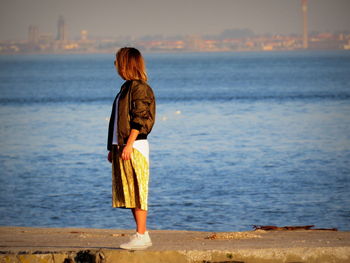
(33, 34)
(61, 29)
(305, 33)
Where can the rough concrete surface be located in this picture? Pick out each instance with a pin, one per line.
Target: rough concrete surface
(67, 245)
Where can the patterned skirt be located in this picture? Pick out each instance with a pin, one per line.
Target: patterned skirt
(130, 178)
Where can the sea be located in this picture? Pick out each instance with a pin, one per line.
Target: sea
(241, 139)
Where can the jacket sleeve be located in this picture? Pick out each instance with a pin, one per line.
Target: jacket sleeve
(142, 97)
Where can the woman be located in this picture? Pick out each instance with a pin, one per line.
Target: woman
(132, 119)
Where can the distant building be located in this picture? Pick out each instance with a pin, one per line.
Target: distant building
(347, 46)
(46, 38)
(61, 29)
(33, 34)
(83, 35)
(194, 43)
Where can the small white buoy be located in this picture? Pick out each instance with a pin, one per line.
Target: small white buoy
(178, 112)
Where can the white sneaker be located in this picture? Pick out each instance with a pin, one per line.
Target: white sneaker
(138, 242)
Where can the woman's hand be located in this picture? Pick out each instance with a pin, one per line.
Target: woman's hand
(127, 151)
(109, 157)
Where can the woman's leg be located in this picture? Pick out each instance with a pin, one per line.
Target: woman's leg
(140, 217)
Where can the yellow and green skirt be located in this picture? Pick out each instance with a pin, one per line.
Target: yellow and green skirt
(130, 177)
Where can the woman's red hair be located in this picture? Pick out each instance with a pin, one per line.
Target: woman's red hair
(130, 64)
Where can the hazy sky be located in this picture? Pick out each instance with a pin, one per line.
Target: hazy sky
(184, 17)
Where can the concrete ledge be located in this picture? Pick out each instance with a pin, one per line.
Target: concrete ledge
(68, 245)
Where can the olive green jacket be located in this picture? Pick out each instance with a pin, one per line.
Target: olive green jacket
(136, 110)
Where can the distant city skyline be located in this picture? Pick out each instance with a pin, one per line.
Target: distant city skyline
(138, 18)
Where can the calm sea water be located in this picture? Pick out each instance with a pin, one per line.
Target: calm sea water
(240, 139)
